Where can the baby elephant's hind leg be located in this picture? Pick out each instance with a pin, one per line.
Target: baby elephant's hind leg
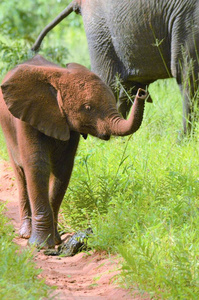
(24, 204)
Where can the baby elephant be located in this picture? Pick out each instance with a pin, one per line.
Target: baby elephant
(43, 110)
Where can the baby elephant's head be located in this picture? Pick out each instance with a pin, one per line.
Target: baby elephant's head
(58, 100)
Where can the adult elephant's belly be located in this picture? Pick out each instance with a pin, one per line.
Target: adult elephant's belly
(146, 64)
(141, 40)
(145, 58)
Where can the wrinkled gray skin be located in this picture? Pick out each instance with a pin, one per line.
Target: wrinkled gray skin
(122, 35)
(43, 110)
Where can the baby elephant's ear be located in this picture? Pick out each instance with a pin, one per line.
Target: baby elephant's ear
(31, 98)
(75, 66)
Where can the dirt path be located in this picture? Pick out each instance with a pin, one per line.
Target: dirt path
(79, 277)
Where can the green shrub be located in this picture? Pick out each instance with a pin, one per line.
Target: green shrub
(141, 197)
(18, 275)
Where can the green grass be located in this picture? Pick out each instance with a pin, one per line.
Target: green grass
(18, 275)
(3, 148)
(141, 197)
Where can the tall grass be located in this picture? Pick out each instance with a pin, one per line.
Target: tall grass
(3, 148)
(141, 197)
(18, 275)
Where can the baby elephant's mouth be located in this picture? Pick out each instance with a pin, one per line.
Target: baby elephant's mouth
(88, 129)
(84, 135)
(105, 137)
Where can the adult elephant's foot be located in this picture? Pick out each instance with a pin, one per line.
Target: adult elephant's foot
(25, 229)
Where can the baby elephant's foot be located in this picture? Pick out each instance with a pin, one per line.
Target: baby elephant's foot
(58, 240)
(43, 239)
(25, 229)
(42, 242)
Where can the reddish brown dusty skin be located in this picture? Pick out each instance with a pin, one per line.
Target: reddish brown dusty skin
(80, 277)
(44, 109)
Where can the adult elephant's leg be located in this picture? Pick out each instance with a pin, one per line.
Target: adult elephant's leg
(24, 204)
(186, 103)
(62, 166)
(127, 95)
(185, 68)
(189, 88)
(124, 102)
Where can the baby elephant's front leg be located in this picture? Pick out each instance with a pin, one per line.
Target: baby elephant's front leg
(43, 231)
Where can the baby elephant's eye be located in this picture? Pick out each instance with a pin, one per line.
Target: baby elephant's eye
(87, 107)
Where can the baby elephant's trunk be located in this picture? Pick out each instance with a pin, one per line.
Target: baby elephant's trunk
(122, 127)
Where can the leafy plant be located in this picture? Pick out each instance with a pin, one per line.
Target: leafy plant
(140, 196)
(18, 275)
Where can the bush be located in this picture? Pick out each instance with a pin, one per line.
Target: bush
(18, 275)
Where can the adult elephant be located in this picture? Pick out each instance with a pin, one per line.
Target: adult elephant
(141, 41)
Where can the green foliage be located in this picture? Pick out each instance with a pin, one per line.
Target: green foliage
(140, 195)
(18, 275)
(22, 21)
(3, 148)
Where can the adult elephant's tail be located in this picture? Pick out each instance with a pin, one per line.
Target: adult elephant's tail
(73, 6)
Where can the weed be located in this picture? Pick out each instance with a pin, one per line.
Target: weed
(18, 275)
(140, 196)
